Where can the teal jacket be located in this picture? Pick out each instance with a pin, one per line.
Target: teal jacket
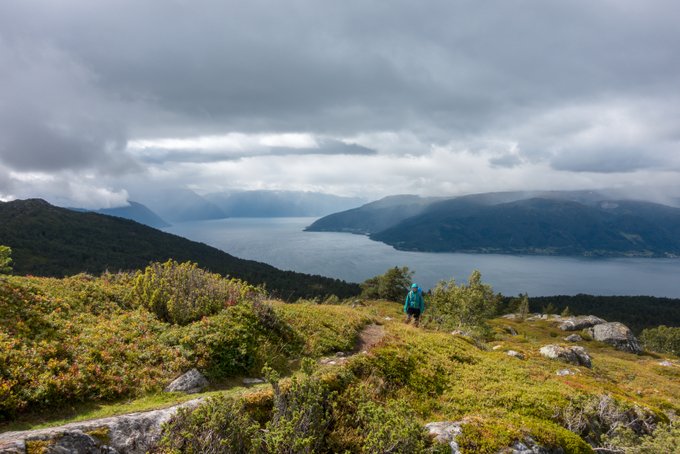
(414, 299)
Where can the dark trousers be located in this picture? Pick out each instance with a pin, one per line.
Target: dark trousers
(413, 312)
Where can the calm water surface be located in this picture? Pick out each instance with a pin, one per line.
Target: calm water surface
(282, 243)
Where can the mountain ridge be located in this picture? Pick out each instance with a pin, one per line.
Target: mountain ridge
(52, 241)
(578, 223)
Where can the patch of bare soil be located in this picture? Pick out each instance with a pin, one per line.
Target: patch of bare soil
(369, 337)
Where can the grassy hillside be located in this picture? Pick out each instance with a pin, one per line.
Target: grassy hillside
(52, 241)
(84, 339)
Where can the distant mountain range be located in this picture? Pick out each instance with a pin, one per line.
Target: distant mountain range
(135, 212)
(582, 223)
(51, 241)
(280, 203)
(182, 205)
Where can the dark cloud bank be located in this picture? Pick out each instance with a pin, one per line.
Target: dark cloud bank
(568, 87)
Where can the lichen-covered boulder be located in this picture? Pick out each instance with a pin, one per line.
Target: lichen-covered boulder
(573, 338)
(69, 442)
(572, 355)
(579, 323)
(617, 335)
(190, 382)
(514, 354)
(446, 432)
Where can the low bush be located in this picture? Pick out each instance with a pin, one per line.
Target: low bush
(464, 307)
(220, 425)
(238, 340)
(392, 428)
(183, 293)
(81, 339)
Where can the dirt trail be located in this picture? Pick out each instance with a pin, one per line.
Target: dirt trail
(369, 337)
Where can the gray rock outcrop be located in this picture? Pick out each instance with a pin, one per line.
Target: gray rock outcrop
(446, 432)
(573, 338)
(572, 355)
(579, 323)
(76, 441)
(617, 335)
(134, 433)
(190, 382)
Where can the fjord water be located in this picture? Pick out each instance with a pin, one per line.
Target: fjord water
(281, 242)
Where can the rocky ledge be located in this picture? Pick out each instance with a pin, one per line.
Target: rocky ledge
(135, 433)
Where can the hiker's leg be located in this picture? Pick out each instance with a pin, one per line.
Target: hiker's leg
(417, 318)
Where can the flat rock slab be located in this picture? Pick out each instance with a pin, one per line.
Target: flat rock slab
(134, 433)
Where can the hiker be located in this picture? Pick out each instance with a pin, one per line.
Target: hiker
(414, 305)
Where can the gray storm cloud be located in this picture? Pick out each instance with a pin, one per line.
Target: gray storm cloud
(565, 87)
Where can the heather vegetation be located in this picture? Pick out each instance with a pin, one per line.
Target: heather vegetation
(99, 338)
(126, 335)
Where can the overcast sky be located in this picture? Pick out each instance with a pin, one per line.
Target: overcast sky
(102, 99)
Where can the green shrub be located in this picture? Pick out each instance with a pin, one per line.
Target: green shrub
(665, 439)
(220, 425)
(183, 293)
(662, 339)
(301, 414)
(466, 306)
(393, 428)
(238, 340)
(596, 418)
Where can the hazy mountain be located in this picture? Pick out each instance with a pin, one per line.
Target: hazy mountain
(179, 205)
(134, 211)
(373, 217)
(280, 203)
(556, 223)
(51, 241)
